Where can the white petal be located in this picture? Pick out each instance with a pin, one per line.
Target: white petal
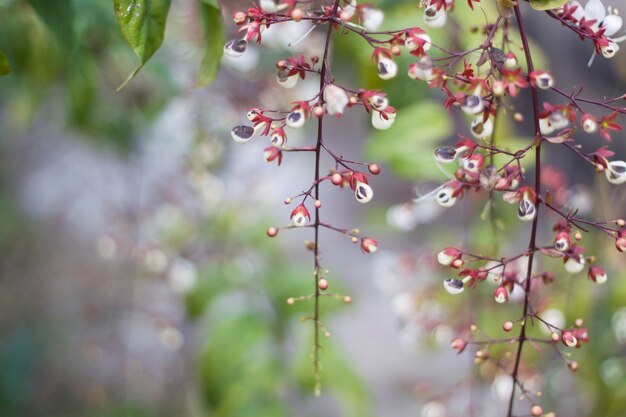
(612, 24)
(372, 18)
(595, 10)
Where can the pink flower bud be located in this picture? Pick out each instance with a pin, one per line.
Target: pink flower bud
(458, 344)
(597, 274)
(448, 255)
(562, 241)
(569, 338)
(369, 245)
(299, 215)
(272, 153)
(501, 295)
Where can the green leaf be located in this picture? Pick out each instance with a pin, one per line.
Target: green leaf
(546, 4)
(214, 42)
(407, 146)
(143, 25)
(5, 66)
(58, 15)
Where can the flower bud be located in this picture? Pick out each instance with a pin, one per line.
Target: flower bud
(336, 179)
(272, 231)
(363, 192)
(562, 241)
(374, 169)
(501, 295)
(445, 154)
(435, 18)
(597, 274)
(481, 129)
(273, 153)
(297, 14)
(422, 69)
(239, 18)
(235, 48)
(609, 51)
(472, 104)
(448, 255)
(335, 99)
(369, 245)
(299, 215)
(507, 326)
(458, 344)
(589, 123)
(380, 122)
(379, 102)
(372, 18)
(322, 284)
(569, 339)
(387, 68)
(510, 61)
(278, 138)
(454, 286)
(242, 134)
(296, 118)
(574, 264)
(541, 79)
(444, 197)
(285, 80)
(536, 411)
(526, 210)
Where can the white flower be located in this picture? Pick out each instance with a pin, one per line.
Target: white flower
(387, 68)
(605, 18)
(435, 18)
(372, 18)
(379, 122)
(616, 172)
(574, 266)
(335, 99)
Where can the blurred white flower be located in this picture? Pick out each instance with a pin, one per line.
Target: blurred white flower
(182, 276)
(335, 99)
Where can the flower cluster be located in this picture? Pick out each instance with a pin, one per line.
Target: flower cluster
(480, 85)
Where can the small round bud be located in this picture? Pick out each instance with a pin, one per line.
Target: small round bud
(457, 263)
(374, 169)
(518, 117)
(282, 64)
(290, 301)
(395, 50)
(620, 222)
(344, 16)
(536, 410)
(507, 326)
(336, 179)
(322, 284)
(318, 111)
(354, 239)
(458, 344)
(573, 366)
(318, 204)
(353, 100)
(297, 14)
(288, 200)
(347, 299)
(555, 337)
(272, 231)
(578, 235)
(239, 18)
(326, 334)
(579, 322)
(599, 168)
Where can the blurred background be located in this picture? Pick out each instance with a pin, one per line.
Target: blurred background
(135, 275)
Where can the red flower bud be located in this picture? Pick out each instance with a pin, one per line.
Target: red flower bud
(501, 295)
(569, 338)
(458, 344)
(597, 274)
(369, 245)
(299, 215)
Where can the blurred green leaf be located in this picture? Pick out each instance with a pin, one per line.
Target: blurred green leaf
(143, 24)
(416, 128)
(546, 4)
(58, 15)
(214, 42)
(5, 66)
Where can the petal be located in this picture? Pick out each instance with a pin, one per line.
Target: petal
(611, 24)
(595, 10)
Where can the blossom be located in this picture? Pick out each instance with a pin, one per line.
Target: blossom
(335, 99)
